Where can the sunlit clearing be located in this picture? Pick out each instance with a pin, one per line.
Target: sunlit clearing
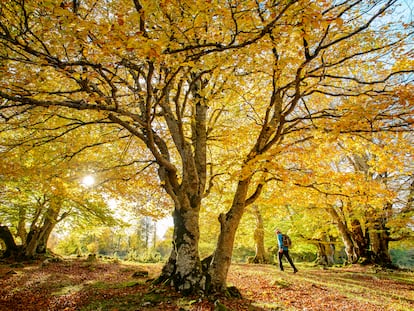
(88, 181)
(163, 225)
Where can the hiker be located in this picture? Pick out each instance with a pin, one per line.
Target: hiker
(284, 250)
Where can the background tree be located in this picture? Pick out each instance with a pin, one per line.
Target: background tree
(356, 201)
(36, 197)
(260, 256)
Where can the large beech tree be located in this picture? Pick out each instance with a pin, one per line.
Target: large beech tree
(185, 78)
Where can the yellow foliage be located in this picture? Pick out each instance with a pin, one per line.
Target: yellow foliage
(299, 96)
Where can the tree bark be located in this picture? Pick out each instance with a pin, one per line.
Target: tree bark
(379, 238)
(260, 256)
(326, 252)
(8, 239)
(183, 268)
(31, 242)
(378, 234)
(36, 240)
(47, 228)
(229, 222)
(359, 238)
(21, 230)
(345, 235)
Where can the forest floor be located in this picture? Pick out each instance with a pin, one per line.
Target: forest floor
(109, 285)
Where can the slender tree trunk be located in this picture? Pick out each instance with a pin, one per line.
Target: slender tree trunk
(360, 239)
(326, 252)
(229, 222)
(345, 235)
(154, 235)
(260, 256)
(21, 230)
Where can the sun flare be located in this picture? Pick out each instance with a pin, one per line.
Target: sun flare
(88, 181)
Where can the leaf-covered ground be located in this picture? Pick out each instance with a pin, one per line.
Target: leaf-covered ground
(104, 285)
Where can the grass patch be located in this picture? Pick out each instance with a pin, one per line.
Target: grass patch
(363, 287)
(68, 290)
(281, 283)
(186, 304)
(259, 306)
(126, 303)
(105, 285)
(133, 302)
(400, 277)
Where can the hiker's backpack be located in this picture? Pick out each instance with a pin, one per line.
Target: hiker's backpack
(286, 240)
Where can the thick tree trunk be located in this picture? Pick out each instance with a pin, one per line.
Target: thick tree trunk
(44, 237)
(36, 241)
(31, 242)
(8, 240)
(183, 268)
(379, 237)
